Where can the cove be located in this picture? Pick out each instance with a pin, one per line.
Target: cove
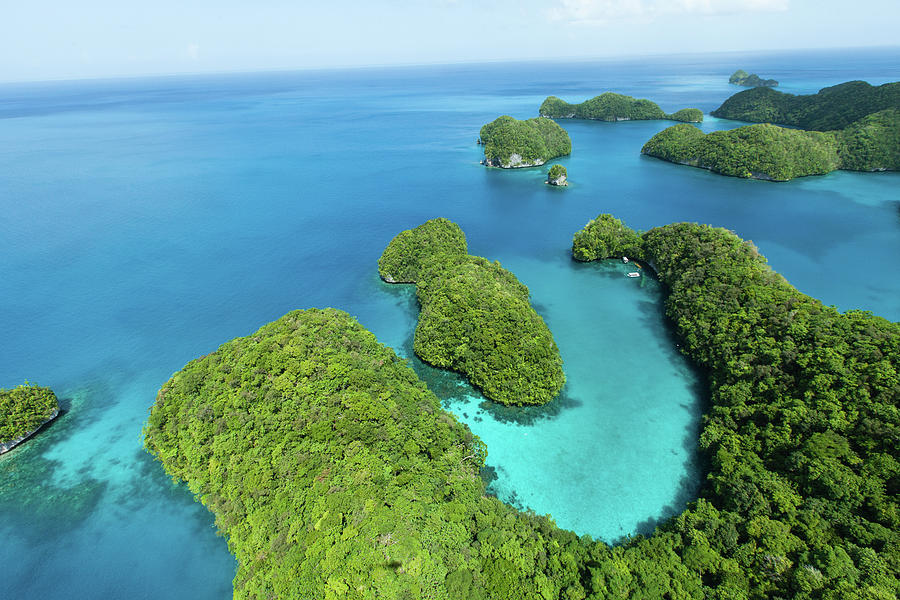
(615, 453)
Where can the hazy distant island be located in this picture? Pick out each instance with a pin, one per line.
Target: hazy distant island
(610, 106)
(510, 143)
(23, 411)
(741, 77)
(558, 176)
(475, 316)
(831, 108)
(776, 153)
(334, 472)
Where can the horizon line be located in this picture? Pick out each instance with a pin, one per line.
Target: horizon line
(402, 65)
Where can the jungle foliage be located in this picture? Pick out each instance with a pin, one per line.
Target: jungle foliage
(760, 151)
(23, 409)
(803, 429)
(767, 151)
(334, 473)
(606, 237)
(872, 143)
(830, 109)
(475, 317)
(610, 106)
(742, 77)
(402, 260)
(510, 143)
(556, 174)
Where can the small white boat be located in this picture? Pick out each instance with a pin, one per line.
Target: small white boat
(625, 259)
(633, 274)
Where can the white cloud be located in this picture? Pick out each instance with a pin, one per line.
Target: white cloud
(604, 11)
(193, 51)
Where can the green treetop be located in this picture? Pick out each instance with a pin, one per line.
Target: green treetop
(23, 409)
(510, 143)
(830, 109)
(476, 318)
(776, 153)
(610, 106)
(557, 175)
(402, 260)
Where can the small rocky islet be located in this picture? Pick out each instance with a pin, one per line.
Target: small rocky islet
(745, 79)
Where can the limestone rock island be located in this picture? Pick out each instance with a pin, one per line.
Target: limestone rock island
(558, 176)
(510, 143)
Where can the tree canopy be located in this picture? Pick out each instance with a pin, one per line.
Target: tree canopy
(334, 473)
(610, 106)
(403, 259)
(767, 151)
(830, 109)
(510, 143)
(557, 175)
(476, 317)
(23, 409)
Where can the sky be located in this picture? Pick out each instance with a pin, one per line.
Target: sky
(62, 39)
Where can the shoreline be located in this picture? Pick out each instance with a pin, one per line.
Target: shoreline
(7, 446)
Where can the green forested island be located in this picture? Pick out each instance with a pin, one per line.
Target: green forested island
(831, 108)
(475, 317)
(610, 106)
(557, 175)
(23, 410)
(775, 153)
(606, 237)
(510, 143)
(334, 473)
(742, 77)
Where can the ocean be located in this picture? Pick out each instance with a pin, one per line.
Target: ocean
(147, 221)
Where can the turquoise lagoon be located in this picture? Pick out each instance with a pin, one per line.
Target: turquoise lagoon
(147, 221)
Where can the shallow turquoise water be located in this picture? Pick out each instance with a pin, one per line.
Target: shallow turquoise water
(148, 221)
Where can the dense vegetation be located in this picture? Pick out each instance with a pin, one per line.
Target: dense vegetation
(872, 143)
(510, 143)
(770, 152)
(606, 237)
(335, 474)
(832, 108)
(742, 77)
(759, 151)
(328, 464)
(403, 259)
(557, 175)
(23, 409)
(803, 431)
(610, 106)
(475, 317)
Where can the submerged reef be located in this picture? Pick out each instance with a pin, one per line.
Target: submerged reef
(779, 154)
(741, 77)
(830, 109)
(475, 317)
(510, 143)
(334, 473)
(610, 106)
(23, 411)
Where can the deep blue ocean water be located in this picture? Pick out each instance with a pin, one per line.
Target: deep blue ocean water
(147, 221)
